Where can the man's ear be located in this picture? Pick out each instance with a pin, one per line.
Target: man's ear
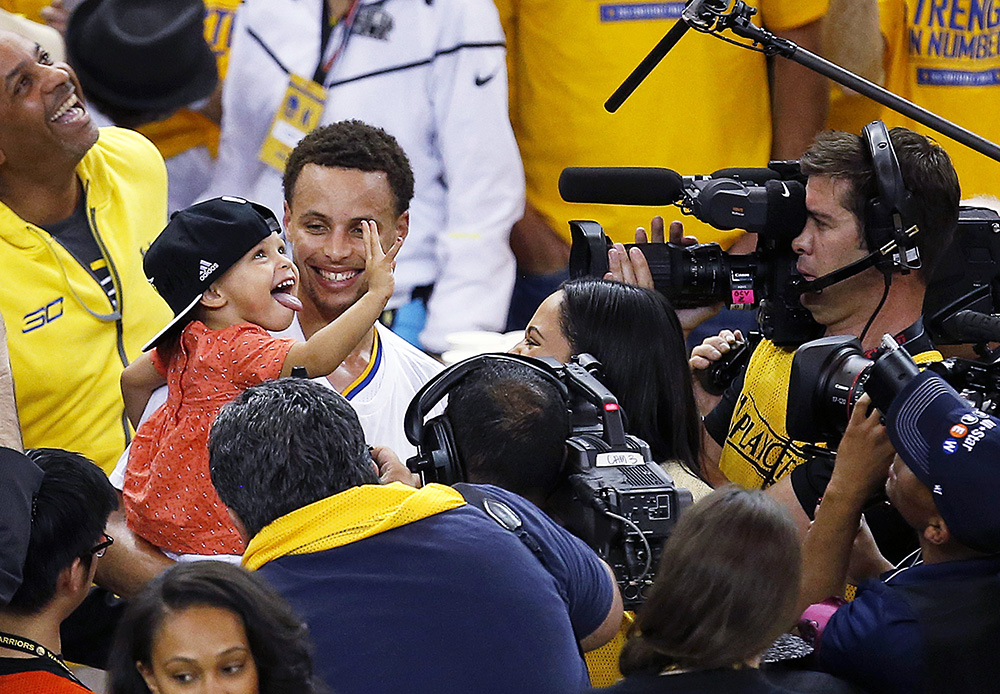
(241, 529)
(937, 531)
(287, 218)
(76, 577)
(403, 224)
(212, 298)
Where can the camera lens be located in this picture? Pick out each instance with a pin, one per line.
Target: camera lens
(828, 376)
(841, 387)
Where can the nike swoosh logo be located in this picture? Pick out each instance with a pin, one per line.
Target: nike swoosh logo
(784, 190)
(480, 81)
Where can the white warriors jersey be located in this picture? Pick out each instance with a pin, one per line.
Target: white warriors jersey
(381, 394)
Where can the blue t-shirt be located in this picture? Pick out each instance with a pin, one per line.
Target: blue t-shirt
(450, 603)
(877, 641)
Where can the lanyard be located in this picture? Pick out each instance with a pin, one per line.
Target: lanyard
(26, 645)
(343, 28)
(914, 332)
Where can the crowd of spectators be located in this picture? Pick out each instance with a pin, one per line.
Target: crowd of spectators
(236, 235)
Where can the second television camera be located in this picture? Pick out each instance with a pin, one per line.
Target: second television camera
(615, 497)
(768, 202)
(612, 494)
(829, 375)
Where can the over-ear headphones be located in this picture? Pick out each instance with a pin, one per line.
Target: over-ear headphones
(437, 458)
(891, 213)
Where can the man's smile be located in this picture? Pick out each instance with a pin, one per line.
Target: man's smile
(341, 276)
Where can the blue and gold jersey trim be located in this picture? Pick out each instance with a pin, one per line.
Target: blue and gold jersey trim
(369, 373)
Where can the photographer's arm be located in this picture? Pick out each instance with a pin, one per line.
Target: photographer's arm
(612, 622)
(799, 97)
(714, 426)
(863, 461)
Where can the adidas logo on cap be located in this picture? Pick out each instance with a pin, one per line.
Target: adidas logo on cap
(206, 269)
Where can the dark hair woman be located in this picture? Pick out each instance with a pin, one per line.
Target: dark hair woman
(726, 588)
(636, 336)
(213, 625)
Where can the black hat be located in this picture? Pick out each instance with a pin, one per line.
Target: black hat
(198, 245)
(20, 480)
(143, 55)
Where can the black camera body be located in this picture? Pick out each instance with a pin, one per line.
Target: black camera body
(705, 274)
(964, 292)
(615, 496)
(612, 495)
(829, 375)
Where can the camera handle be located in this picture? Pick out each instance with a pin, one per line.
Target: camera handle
(722, 372)
(738, 21)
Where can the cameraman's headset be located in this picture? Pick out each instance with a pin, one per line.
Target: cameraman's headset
(890, 221)
(437, 458)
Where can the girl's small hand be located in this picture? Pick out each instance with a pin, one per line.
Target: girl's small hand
(379, 265)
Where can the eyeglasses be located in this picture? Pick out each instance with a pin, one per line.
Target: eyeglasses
(102, 547)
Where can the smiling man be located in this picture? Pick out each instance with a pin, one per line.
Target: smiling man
(77, 208)
(336, 177)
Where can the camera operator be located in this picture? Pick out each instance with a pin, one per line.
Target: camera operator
(510, 429)
(747, 442)
(934, 626)
(513, 424)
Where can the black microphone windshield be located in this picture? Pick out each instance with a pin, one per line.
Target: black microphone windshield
(620, 186)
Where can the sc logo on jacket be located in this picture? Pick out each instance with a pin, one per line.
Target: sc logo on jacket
(43, 316)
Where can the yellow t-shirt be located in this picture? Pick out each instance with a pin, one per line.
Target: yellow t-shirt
(758, 451)
(946, 58)
(32, 9)
(187, 129)
(704, 108)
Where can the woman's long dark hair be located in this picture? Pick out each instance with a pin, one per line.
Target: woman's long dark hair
(726, 588)
(636, 336)
(279, 641)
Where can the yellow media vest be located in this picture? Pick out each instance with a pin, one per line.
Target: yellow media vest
(67, 347)
(758, 451)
